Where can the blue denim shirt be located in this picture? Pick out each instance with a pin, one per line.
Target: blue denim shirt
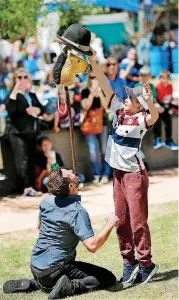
(64, 222)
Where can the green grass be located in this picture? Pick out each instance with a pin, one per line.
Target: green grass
(16, 250)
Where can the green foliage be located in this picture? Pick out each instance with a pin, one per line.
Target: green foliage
(19, 17)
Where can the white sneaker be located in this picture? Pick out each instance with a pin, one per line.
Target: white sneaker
(81, 186)
(104, 180)
(96, 180)
(2, 176)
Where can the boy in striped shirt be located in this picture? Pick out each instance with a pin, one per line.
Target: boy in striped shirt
(130, 179)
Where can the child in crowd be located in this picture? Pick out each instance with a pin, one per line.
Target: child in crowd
(164, 105)
(130, 179)
(46, 161)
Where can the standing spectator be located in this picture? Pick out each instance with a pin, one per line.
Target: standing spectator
(23, 109)
(61, 116)
(164, 100)
(92, 100)
(144, 77)
(46, 161)
(129, 68)
(116, 82)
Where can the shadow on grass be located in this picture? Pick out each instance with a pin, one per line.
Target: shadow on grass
(162, 276)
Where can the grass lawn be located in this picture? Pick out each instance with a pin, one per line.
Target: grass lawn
(16, 250)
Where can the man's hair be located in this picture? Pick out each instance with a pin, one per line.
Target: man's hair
(57, 184)
(111, 58)
(164, 73)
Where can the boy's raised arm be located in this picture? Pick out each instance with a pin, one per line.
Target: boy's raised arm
(153, 116)
(101, 77)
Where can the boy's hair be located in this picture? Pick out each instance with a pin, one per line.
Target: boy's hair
(164, 73)
(43, 138)
(57, 184)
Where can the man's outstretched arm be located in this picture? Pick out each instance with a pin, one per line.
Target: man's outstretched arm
(97, 241)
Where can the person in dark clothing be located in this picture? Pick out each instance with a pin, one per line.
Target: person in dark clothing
(45, 162)
(23, 109)
(63, 222)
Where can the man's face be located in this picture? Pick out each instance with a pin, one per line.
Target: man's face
(46, 146)
(112, 66)
(74, 181)
(132, 106)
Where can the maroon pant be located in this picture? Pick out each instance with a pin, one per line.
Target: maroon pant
(131, 206)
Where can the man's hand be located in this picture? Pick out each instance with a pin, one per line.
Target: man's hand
(33, 110)
(147, 93)
(113, 221)
(2, 108)
(131, 63)
(97, 241)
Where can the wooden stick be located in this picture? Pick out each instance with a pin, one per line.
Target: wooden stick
(71, 130)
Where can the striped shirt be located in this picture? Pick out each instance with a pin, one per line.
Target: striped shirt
(123, 147)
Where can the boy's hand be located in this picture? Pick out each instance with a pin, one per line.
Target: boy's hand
(147, 94)
(94, 54)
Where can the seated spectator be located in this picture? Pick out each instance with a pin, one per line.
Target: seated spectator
(94, 104)
(145, 77)
(117, 83)
(129, 68)
(164, 103)
(23, 109)
(46, 161)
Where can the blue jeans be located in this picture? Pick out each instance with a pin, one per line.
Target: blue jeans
(92, 141)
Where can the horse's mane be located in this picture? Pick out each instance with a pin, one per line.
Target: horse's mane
(58, 67)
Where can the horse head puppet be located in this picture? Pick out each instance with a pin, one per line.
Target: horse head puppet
(77, 38)
(67, 66)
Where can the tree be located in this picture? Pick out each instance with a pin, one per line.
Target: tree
(19, 17)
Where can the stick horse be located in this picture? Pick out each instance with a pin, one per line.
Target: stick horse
(77, 38)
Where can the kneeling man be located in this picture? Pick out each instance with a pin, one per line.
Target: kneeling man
(63, 222)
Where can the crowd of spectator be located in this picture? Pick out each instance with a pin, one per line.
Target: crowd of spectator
(28, 104)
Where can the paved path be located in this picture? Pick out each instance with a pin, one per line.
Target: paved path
(21, 212)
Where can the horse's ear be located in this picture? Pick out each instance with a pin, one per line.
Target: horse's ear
(58, 67)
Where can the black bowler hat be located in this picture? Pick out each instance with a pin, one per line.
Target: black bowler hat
(78, 38)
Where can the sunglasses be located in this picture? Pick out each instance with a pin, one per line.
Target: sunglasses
(92, 77)
(111, 64)
(22, 77)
